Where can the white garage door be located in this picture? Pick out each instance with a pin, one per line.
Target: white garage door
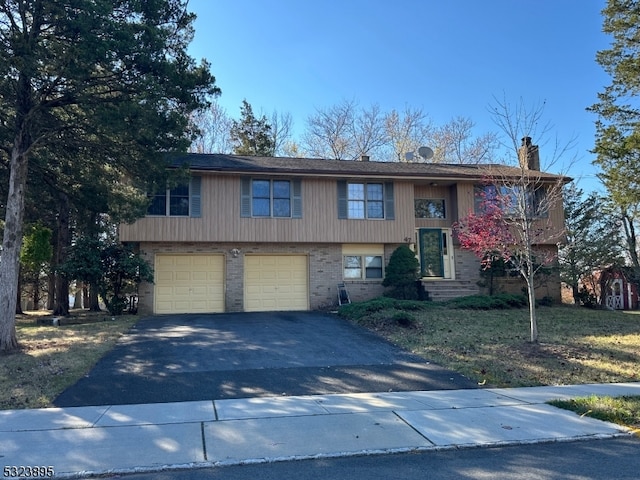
(189, 284)
(276, 283)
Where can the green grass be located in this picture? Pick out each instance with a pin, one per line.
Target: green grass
(575, 345)
(621, 410)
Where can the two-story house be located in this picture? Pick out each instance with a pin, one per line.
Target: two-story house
(269, 234)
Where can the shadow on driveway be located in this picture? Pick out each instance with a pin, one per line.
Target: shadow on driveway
(205, 357)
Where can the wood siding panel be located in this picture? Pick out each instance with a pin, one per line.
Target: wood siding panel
(221, 220)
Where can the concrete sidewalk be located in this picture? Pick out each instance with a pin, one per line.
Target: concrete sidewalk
(83, 441)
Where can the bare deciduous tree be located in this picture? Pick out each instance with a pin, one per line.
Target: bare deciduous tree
(454, 142)
(327, 134)
(406, 132)
(281, 132)
(215, 127)
(368, 130)
(518, 121)
(344, 132)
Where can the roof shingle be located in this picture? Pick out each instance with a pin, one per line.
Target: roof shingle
(346, 168)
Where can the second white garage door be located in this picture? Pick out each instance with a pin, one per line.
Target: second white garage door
(189, 284)
(276, 283)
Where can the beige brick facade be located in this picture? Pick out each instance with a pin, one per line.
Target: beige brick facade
(325, 271)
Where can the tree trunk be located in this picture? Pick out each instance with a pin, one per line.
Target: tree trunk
(531, 291)
(11, 244)
(36, 291)
(94, 301)
(61, 306)
(19, 297)
(77, 299)
(576, 294)
(630, 236)
(51, 298)
(85, 296)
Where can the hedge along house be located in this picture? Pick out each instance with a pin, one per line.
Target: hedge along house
(270, 234)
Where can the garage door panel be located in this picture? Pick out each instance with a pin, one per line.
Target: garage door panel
(200, 277)
(182, 276)
(189, 284)
(163, 276)
(276, 282)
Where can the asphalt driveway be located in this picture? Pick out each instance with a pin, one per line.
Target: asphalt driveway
(205, 357)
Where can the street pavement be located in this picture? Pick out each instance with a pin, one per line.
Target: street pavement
(75, 442)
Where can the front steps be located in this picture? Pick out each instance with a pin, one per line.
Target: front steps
(442, 290)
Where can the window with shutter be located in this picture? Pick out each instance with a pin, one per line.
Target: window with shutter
(365, 200)
(267, 198)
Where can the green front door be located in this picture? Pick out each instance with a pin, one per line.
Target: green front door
(431, 261)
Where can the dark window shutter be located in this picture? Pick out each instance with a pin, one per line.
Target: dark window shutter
(389, 207)
(296, 198)
(343, 211)
(195, 197)
(245, 197)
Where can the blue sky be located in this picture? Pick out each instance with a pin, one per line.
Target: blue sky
(450, 58)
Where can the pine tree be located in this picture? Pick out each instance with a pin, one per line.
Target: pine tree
(251, 135)
(618, 125)
(96, 82)
(592, 238)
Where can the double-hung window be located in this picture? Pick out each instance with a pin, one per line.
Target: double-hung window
(265, 198)
(362, 267)
(271, 198)
(182, 200)
(362, 261)
(359, 200)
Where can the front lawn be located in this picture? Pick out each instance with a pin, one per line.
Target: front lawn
(55, 357)
(576, 345)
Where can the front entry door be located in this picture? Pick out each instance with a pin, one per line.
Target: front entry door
(436, 255)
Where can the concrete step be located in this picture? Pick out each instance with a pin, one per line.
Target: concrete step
(446, 290)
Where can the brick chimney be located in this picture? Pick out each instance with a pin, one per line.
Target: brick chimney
(364, 158)
(529, 155)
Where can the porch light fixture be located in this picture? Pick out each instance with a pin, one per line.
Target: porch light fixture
(234, 252)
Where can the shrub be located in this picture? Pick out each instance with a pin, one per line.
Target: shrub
(545, 301)
(358, 310)
(370, 308)
(401, 274)
(488, 302)
(587, 299)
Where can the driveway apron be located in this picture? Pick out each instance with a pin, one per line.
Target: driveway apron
(204, 357)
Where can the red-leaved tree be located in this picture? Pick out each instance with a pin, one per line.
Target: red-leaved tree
(512, 223)
(486, 233)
